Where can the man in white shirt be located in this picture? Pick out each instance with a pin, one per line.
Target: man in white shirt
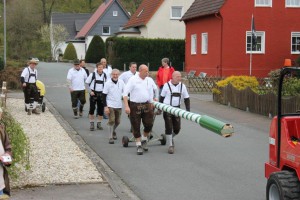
(112, 97)
(128, 74)
(28, 80)
(141, 108)
(96, 82)
(106, 68)
(173, 92)
(76, 82)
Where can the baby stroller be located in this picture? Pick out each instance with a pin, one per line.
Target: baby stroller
(41, 91)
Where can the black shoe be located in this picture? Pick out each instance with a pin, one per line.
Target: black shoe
(144, 145)
(99, 127)
(139, 150)
(171, 150)
(111, 141)
(114, 135)
(92, 126)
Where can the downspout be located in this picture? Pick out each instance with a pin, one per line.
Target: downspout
(217, 15)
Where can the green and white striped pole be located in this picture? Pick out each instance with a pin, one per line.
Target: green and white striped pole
(205, 121)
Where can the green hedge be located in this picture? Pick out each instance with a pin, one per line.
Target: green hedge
(70, 52)
(20, 145)
(96, 50)
(121, 50)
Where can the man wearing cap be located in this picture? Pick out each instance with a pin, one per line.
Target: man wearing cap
(76, 82)
(28, 80)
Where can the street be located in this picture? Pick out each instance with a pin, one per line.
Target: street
(205, 165)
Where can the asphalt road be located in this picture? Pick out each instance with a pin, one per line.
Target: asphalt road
(205, 166)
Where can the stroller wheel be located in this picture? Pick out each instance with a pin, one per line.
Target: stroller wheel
(125, 141)
(43, 107)
(163, 139)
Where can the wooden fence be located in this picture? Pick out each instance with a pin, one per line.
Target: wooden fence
(198, 85)
(250, 101)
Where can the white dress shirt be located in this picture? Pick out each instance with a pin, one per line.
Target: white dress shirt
(167, 93)
(26, 72)
(77, 79)
(98, 87)
(126, 75)
(141, 90)
(114, 93)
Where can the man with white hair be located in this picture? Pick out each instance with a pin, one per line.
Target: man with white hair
(112, 100)
(172, 94)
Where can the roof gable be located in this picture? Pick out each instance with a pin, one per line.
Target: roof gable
(203, 7)
(144, 13)
(96, 16)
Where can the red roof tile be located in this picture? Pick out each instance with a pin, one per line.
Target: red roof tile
(95, 17)
(144, 13)
(203, 7)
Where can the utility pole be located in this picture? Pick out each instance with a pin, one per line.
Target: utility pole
(4, 24)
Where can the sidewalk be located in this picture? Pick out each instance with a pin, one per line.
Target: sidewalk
(108, 188)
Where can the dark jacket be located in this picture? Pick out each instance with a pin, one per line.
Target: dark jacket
(7, 148)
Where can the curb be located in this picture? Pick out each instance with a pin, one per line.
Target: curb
(118, 186)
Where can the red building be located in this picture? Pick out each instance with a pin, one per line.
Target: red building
(218, 36)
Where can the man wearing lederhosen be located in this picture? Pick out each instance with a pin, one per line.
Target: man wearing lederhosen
(28, 80)
(96, 81)
(141, 108)
(173, 92)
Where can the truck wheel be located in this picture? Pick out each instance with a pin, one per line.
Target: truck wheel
(283, 185)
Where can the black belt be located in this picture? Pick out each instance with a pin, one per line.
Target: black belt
(139, 103)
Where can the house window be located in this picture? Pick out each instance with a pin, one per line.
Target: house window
(193, 44)
(263, 3)
(106, 30)
(115, 13)
(295, 42)
(292, 3)
(204, 43)
(176, 12)
(260, 42)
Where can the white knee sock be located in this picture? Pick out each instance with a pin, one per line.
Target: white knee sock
(169, 140)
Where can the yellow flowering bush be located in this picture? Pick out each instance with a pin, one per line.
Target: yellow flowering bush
(239, 82)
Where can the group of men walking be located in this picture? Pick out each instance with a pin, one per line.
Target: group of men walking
(108, 90)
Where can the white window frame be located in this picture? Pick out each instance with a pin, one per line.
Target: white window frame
(171, 12)
(194, 44)
(115, 13)
(292, 3)
(103, 30)
(260, 34)
(297, 35)
(266, 3)
(204, 43)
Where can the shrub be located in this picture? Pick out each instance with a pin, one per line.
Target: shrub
(239, 82)
(12, 77)
(1, 64)
(122, 50)
(96, 50)
(20, 145)
(70, 52)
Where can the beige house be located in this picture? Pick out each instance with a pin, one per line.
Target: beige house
(159, 19)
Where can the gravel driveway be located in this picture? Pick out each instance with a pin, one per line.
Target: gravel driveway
(54, 157)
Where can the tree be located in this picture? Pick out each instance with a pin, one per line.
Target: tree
(22, 24)
(54, 37)
(96, 50)
(70, 52)
(47, 11)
